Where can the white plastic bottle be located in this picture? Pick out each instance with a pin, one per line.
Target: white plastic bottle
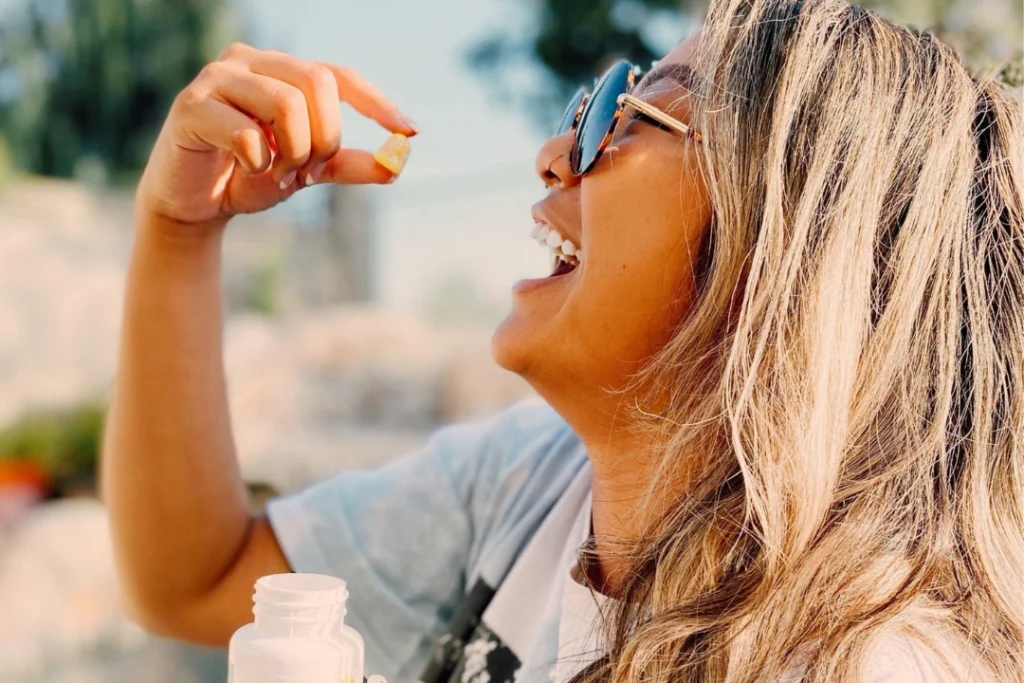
(299, 634)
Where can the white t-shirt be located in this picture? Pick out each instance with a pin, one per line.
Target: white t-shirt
(458, 557)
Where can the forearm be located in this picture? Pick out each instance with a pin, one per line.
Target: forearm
(251, 130)
(170, 478)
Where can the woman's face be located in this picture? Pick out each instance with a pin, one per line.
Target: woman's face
(638, 217)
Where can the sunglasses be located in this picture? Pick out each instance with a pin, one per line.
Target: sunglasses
(593, 116)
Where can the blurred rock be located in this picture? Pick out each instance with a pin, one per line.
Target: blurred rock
(351, 387)
(62, 620)
(155, 661)
(312, 392)
(472, 385)
(58, 590)
(60, 290)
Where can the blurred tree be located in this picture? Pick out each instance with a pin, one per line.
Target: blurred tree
(6, 163)
(573, 40)
(85, 84)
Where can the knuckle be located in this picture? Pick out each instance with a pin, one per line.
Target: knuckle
(214, 71)
(234, 50)
(288, 101)
(247, 144)
(243, 140)
(328, 145)
(319, 79)
(191, 97)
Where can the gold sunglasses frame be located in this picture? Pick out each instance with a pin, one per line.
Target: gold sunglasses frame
(662, 117)
(622, 101)
(578, 115)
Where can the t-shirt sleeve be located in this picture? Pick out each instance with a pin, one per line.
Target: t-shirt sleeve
(399, 536)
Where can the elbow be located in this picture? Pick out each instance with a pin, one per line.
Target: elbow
(152, 620)
(155, 615)
(168, 617)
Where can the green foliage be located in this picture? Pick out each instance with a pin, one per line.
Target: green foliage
(573, 39)
(6, 163)
(65, 443)
(1012, 74)
(263, 293)
(85, 84)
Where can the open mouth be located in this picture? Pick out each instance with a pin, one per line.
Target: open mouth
(566, 255)
(562, 267)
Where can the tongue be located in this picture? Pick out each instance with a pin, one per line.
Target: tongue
(562, 268)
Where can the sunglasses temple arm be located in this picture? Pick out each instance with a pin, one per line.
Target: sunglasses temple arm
(658, 115)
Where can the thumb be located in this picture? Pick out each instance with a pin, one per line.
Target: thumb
(352, 167)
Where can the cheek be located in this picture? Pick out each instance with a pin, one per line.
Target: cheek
(641, 252)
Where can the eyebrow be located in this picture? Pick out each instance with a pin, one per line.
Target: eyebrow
(682, 74)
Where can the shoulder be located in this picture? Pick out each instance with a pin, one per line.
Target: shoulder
(528, 458)
(529, 448)
(530, 419)
(525, 432)
(526, 453)
(531, 436)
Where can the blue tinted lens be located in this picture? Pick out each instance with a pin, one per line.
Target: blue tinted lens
(598, 116)
(569, 116)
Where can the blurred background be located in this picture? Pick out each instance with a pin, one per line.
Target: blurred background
(359, 318)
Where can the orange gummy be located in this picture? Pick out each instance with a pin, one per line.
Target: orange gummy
(393, 154)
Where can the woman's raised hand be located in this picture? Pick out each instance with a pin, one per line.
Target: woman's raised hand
(254, 127)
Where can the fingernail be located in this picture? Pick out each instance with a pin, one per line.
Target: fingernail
(313, 175)
(289, 179)
(409, 123)
(391, 180)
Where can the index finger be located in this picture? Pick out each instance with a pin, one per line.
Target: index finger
(370, 102)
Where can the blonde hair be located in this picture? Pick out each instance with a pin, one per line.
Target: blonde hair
(845, 399)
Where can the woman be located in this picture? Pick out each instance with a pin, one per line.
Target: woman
(782, 364)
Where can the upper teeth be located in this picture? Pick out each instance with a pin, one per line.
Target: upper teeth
(562, 247)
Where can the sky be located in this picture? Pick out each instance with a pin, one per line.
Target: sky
(461, 208)
(462, 205)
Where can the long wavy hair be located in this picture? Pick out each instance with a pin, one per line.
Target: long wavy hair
(845, 399)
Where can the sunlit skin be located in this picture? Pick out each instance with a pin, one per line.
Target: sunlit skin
(639, 216)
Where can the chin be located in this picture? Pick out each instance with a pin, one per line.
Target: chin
(534, 347)
(511, 342)
(527, 344)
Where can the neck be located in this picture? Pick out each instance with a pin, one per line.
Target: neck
(623, 467)
(619, 487)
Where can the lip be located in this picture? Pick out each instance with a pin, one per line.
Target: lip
(534, 284)
(542, 214)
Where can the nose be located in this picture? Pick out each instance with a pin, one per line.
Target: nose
(553, 162)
